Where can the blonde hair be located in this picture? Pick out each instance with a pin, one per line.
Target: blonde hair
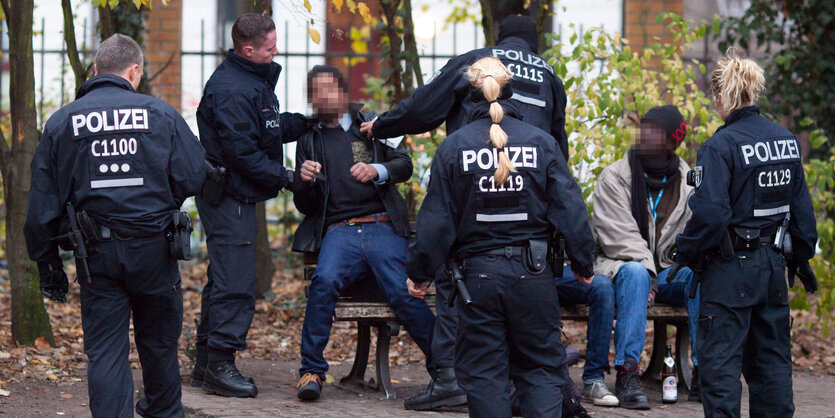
(490, 75)
(737, 81)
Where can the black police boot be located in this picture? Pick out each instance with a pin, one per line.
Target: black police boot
(224, 379)
(201, 361)
(695, 394)
(628, 388)
(442, 391)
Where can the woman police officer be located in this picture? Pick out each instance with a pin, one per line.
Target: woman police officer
(497, 191)
(750, 196)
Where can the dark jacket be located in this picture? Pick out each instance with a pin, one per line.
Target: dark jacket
(312, 198)
(241, 127)
(751, 176)
(127, 158)
(465, 213)
(538, 94)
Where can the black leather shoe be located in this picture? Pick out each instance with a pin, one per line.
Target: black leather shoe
(224, 379)
(442, 391)
(199, 372)
(628, 388)
(695, 394)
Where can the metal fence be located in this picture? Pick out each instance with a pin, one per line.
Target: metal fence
(61, 78)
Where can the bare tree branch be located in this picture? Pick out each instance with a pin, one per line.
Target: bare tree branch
(164, 66)
(72, 48)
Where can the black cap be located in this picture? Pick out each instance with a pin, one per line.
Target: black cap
(670, 118)
(520, 27)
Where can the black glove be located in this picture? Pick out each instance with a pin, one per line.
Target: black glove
(671, 274)
(807, 276)
(54, 282)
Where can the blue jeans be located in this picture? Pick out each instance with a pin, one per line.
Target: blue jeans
(677, 293)
(599, 296)
(629, 292)
(349, 253)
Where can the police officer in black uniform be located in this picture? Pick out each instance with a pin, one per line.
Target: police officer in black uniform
(125, 162)
(751, 200)
(538, 94)
(497, 191)
(538, 97)
(243, 132)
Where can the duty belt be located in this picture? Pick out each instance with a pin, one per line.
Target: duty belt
(508, 252)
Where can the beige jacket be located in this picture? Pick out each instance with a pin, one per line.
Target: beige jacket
(618, 237)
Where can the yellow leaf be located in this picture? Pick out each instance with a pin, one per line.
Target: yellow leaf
(352, 6)
(314, 35)
(337, 4)
(113, 3)
(52, 376)
(329, 379)
(365, 12)
(307, 6)
(137, 3)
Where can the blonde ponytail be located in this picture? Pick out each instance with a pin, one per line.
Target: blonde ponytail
(490, 75)
(737, 82)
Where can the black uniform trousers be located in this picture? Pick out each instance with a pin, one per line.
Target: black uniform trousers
(137, 276)
(228, 300)
(511, 331)
(446, 324)
(744, 326)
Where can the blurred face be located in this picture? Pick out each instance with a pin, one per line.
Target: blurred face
(264, 53)
(653, 140)
(328, 99)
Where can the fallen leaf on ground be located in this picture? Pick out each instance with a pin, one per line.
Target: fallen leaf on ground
(42, 344)
(4, 392)
(66, 395)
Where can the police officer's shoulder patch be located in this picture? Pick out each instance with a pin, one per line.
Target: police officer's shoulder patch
(698, 175)
(434, 76)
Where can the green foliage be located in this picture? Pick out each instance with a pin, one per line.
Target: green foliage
(609, 86)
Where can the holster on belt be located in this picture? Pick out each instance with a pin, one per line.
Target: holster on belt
(214, 185)
(179, 236)
(726, 246)
(556, 253)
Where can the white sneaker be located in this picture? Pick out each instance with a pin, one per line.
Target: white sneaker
(598, 394)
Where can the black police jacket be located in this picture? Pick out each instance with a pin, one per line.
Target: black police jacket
(127, 158)
(311, 198)
(749, 174)
(241, 127)
(538, 93)
(465, 212)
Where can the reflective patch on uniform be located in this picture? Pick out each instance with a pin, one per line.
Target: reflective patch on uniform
(504, 217)
(434, 76)
(110, 121)
(529, 100)
(698, 175)
(128, 182)
(761, 213)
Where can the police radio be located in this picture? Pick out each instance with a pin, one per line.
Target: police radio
(694, 177)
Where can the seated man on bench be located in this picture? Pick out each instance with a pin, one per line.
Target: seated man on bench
(640, 205)
(354, 217)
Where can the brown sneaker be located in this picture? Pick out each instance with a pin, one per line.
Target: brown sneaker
(309, 387)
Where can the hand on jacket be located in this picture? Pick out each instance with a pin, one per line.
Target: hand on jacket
(363, 172)
(309, 170)
(365, 128)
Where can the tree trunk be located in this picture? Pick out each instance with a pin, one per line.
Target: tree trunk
(487, 25)
(396, 80)
(410, 46)
(264, 267)
(29, 317)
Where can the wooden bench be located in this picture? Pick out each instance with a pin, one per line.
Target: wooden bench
(661, 316)
(364, 303)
